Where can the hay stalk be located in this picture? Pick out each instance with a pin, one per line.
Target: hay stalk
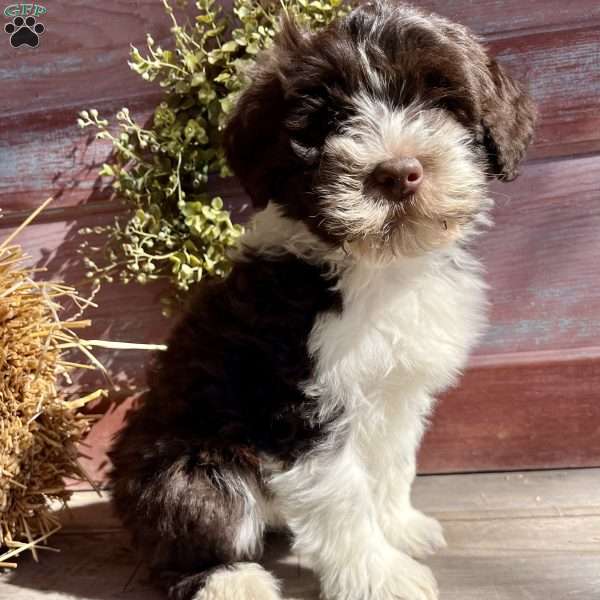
(39, 426)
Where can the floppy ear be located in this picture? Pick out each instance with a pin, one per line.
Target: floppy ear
(509, 116)
(256, 143)
(251, 137)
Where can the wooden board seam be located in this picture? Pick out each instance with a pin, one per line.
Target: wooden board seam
(507, 34)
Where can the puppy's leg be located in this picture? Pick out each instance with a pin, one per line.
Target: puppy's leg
(196, 518)
(394, 468)
(327, 502)
(239, 581)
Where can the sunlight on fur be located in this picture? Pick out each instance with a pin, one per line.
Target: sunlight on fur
(450, 205)
(295, 393)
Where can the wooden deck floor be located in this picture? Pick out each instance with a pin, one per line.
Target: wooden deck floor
(517, 536)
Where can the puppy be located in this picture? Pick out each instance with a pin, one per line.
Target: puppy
(296, 391)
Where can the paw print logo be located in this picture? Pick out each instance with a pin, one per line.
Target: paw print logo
(24, 32)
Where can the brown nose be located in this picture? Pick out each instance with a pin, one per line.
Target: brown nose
(398, 178)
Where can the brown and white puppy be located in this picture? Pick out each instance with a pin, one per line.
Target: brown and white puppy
(296, 391)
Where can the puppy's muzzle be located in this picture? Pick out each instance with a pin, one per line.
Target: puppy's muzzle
(397, 178)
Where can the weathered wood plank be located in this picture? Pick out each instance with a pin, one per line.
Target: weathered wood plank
(541, 256)
(562, 70)
(82, 57)
(457, 497)
(511, 537)
(43, 152)
(103, 567)
(46, 154)
(542, 259)
(539, 412)
(506, 18)
(85, 48)
(573, 492)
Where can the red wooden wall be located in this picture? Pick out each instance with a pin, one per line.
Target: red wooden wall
(529, 398)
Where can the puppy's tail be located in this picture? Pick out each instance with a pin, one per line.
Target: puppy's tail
(238, 581)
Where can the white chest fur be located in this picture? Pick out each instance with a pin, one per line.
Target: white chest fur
(406, 328)
(403, 334)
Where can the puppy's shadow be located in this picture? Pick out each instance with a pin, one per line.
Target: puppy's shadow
(96, 562)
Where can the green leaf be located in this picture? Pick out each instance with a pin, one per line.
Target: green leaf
(230, 46)
(226, 104)
(182, 87)
(217, 203)
(222, 77)
(176, 229)
(191, 62)
(106, 171)
(214, 56)
(198, 79)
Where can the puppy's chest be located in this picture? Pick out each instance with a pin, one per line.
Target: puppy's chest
(415, 323)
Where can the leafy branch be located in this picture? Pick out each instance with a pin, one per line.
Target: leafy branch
(176, 229)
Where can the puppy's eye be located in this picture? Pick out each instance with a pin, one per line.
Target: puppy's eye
(335, 124)
(337, 119)
(435, 79)
(310, 155)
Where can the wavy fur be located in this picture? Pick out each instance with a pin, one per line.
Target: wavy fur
(295, 393)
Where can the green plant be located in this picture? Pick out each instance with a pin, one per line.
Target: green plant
(176, 230)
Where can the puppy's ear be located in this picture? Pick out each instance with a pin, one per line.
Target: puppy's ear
(255, 141)
(251, 135)
(509, 116)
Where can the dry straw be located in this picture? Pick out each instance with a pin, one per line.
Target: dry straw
(39, 426)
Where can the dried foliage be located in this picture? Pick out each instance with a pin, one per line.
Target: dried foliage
(177, 230)
(39, 426)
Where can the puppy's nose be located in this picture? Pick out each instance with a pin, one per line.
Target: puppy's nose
(398, 177)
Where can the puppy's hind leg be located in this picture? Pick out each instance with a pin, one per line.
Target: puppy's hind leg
(327, 503)
(239, 581)
(197, 520)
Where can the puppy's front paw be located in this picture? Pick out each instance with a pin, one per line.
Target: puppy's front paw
(416, 534)
(395, 576)
(410, 580)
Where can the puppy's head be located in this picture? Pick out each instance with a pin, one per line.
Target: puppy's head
(379, 132)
